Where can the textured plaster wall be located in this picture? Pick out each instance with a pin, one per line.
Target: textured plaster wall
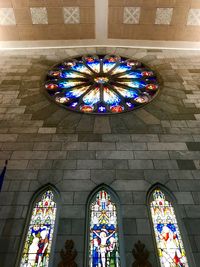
(129, 152)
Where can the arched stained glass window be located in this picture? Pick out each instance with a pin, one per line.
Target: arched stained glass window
(168, 238)
(38, 242)
(104, 249)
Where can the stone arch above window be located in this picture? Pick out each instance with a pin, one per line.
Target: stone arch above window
(166, 228)
(104, 229)
(40, 229)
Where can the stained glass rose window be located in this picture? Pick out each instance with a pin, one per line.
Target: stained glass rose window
(101, 84)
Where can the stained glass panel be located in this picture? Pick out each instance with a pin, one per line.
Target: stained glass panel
(168, 238)
(104, 237)
(136, 84)
(40, 232)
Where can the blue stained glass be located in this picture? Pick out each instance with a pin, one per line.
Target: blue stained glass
(74, 93)
(95, 66)
(107, 66)
(116, 84)
(71, 74)
(110, 97)
(134, 84)
(104, 238)
(126, 93)
(121, 68)
(69, 84)
(81, 68)
(92, 97)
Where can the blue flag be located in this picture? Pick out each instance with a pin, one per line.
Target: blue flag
(3, 174)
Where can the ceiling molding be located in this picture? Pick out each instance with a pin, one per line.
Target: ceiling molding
(175, 45)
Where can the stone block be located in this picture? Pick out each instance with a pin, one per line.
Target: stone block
(16, 164)
(8, 137)
(17, 146)
(145, 138)
(21, 174)
(129, 174)
(67, 198)
(102, 176)
(186, 164)
(50, 176)
(167, 146)
(47, 130)
(34, 137)
(88, 137)
(116, 138)
(64, 227)
(5, 155)
(180, 174)
(184, 185)
(185, 155)
(78, 226)
(13, 227)
(156, 176)
(140, 164)
(184, 197)
(64, 164)
(129, 227)
(165, 164)
(125, 197)
(47, 146)
(65, 138)
(101, 146)
(192, 211)
(150, 155)
(134, 211)
(193, 146)
(40, 164)
(19, 185)
(114, 155)
(81, 197)
(102, 125)
(131, 146)
(81, 155)
(143, 227)
(89, 164)
(175, 138)
(133, 185)
(57, 155)
(72, 211)
(75, 185)
(29, 155)
(6, 198)
(76, 174)
(74, 146)
(115, 164)
(9, 212)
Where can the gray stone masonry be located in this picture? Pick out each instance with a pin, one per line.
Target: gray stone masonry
(129, 152)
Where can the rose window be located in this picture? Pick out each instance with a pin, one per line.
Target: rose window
(101, 84)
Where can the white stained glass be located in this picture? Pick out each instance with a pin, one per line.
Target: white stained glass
(38, 242)
(168, 238)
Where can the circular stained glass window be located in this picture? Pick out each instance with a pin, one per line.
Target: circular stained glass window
(101, 84)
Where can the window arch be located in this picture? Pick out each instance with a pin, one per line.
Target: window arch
(104, 239)
(167, 233)
(38, 239)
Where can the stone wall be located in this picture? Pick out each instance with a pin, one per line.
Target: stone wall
(129, 152)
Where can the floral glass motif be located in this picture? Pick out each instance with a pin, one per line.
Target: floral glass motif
(168, 238)
(40, 232)
(101, 84)
(104, 237)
